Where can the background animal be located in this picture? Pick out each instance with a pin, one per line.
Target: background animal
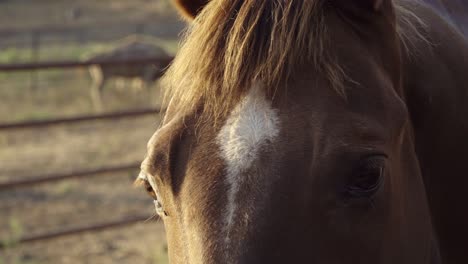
(314, 132)
(143, 75)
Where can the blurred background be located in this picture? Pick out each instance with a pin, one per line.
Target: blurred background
(79, 99)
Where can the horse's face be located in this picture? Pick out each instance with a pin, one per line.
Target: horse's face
(306, 177)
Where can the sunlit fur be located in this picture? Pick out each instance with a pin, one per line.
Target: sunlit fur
(245, 46)
(264, 40)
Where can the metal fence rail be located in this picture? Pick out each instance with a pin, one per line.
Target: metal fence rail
(78, 119)
(77, 64)
(78, 230)
(50, 178)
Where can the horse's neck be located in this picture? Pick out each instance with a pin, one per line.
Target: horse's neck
(435, 72)
(435, 81)
(455, 11)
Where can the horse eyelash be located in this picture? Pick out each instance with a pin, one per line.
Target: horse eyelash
(139, 183)
(145, 184)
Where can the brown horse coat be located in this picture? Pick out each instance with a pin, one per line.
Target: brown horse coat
(315, 132)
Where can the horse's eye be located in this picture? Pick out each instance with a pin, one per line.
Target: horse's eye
(149, 189)
(143, 181)
(367, 177)
(157, 204)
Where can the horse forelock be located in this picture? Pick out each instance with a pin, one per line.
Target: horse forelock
(232, 44)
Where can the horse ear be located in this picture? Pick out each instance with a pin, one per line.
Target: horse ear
(190, 8)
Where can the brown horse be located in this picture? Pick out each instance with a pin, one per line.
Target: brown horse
(315, 131)
(132, 47)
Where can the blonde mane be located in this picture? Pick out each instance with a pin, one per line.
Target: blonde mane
(234, 43)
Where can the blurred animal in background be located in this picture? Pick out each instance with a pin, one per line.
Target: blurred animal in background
(142, 75)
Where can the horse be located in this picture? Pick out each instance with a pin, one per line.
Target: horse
(132, 47)
(315, 131)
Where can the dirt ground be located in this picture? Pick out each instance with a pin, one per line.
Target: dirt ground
(26, 153)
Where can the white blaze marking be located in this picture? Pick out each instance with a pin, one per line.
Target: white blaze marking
(251, 125)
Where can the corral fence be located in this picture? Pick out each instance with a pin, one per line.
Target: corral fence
(34, 39)
(93, 172)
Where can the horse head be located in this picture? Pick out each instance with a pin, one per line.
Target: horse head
(288, 136)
